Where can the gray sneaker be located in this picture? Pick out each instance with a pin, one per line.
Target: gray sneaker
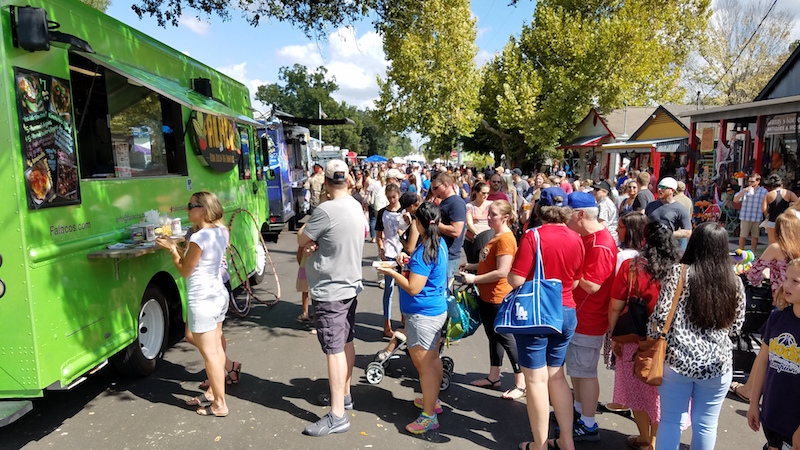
(329, 424)
(325, 400)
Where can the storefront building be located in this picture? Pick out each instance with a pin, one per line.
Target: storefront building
(756, 137)
(584, 153)
(661, 144)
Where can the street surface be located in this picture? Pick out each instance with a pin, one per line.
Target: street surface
(283, 372)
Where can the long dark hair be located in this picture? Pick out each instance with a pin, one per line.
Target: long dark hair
(634, 224)
(714, 289)
(660, 251)
(429, 216)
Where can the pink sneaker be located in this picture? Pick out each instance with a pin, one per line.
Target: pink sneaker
(423, 424)
(438, 410)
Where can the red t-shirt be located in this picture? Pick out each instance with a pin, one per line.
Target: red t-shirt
(648, 287)
(562, 257)
(599, 263)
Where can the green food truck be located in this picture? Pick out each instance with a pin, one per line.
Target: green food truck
(104, 127)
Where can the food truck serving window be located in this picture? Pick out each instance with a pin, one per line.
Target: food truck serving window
(124, 130)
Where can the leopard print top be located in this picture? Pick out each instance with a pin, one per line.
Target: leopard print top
(694, 352)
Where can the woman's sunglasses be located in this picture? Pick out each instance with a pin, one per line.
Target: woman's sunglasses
(191, 206)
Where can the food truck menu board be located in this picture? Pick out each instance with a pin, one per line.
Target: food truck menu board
(47, 138)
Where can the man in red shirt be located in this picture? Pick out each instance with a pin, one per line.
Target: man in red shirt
(495, 184)
(592, 296)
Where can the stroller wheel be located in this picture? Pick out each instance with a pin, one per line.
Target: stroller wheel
(446, 378)
(448, 364)
(374, 373)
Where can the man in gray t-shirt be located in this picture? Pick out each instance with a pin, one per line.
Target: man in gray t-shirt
(335, 237)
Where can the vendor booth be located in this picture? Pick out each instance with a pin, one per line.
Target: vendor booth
(755, 137)
(661, 143)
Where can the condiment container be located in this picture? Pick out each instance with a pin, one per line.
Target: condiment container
(150, 232)
(176, 226)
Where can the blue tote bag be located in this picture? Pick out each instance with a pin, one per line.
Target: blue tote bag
(535, 307)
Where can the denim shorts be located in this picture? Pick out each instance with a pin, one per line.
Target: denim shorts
(537, 351)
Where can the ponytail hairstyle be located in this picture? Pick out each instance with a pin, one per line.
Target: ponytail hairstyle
(504, 207)
(429, 216)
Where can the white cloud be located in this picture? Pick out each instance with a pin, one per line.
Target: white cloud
(239, 73)
(355, 62)
(482, 57)
(194, 24)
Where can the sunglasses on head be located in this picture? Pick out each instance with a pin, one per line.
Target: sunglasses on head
(191, 206)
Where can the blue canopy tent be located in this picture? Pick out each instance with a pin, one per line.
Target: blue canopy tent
(376, 159)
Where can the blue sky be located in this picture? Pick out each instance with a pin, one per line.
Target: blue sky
(354, 56)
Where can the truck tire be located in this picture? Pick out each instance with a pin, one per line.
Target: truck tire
(261, 265)
(139, 359)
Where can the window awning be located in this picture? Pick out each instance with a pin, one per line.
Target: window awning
(661, 146)
(170, 89)
(585, 141)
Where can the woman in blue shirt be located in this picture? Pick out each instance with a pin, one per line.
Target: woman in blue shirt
(424, 305)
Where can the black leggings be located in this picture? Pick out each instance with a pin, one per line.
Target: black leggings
(498, 341)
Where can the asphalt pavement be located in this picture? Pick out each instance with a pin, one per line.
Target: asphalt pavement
(283, 371)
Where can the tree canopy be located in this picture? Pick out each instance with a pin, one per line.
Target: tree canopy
(311, 16)
(432, 82)
(723, 70)
(102, 5)
(576, 54)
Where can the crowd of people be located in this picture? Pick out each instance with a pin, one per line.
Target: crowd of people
(609, 242)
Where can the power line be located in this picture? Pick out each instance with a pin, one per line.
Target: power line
(742, 50)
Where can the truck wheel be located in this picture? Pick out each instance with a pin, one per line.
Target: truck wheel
(140, 357)
(261, 265)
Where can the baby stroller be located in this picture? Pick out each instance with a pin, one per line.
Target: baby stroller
(462, 321)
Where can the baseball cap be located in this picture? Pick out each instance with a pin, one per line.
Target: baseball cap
(517, 171)
(394, 173)
(602, 185)
(582, 200)
(548, 197)
(668, 182)
(408, 199)
(336, 170)
(561, 173)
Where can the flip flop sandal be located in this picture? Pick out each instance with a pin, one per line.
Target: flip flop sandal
(207, 411)
(525, 446)
(238, 371)
(735, 389)
(200, 400)
(492, 384)
(204, 385)
(553, 446)
(514, 389)
(302, 318)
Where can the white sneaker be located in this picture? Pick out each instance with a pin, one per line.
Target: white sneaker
(381, 284)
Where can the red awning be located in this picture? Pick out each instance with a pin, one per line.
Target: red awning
(584, 142)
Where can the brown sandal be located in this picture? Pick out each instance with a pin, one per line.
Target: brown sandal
(635, 443)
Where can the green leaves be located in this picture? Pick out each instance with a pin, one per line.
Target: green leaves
(579, 54)
(432, 83)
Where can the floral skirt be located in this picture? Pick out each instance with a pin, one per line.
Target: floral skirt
(632, 392)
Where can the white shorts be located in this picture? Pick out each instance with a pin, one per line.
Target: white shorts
(203, 315)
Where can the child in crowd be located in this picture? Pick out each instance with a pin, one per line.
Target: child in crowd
(776, 371)
(389, 225)
(302, 282)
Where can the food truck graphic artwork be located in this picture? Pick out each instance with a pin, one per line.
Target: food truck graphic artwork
(104, 129)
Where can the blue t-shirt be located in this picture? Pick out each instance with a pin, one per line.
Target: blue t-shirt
(780, 407)
(454, 209)
(431, 300)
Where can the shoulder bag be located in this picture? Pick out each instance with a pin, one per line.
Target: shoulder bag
(535, 307)
(648, 362)
(632, 323)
